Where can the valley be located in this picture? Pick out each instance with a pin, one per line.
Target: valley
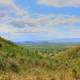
(48, 62)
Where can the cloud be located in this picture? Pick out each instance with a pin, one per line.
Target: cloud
(51, 20)
(5, 1)
(43, 26)
(9, 6)
(7, 29)
(26, 21)
(60, 3)
(46, 26)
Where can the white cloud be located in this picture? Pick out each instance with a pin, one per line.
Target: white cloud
(4, 28)
(42, 24)
(48, 20)
(10, 6)
(60, 3)
(5, 1)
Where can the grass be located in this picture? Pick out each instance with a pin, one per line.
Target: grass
(36, 63)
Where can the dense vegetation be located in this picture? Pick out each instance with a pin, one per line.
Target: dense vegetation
(39, 63)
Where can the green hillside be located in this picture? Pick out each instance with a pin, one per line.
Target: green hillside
(21, 63)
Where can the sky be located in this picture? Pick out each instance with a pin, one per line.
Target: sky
(39, 20)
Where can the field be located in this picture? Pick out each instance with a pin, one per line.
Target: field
(48, 62)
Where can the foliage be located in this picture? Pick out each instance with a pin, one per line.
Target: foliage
(35, 63)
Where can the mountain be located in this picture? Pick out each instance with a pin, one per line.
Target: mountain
(72, 41)
(21, 63)
(67, 40)
(6, 42)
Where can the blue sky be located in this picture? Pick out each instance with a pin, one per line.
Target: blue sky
(39, 20)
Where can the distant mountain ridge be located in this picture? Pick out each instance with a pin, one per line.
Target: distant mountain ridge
(55, 41)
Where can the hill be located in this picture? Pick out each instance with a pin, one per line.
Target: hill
(21, 63)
